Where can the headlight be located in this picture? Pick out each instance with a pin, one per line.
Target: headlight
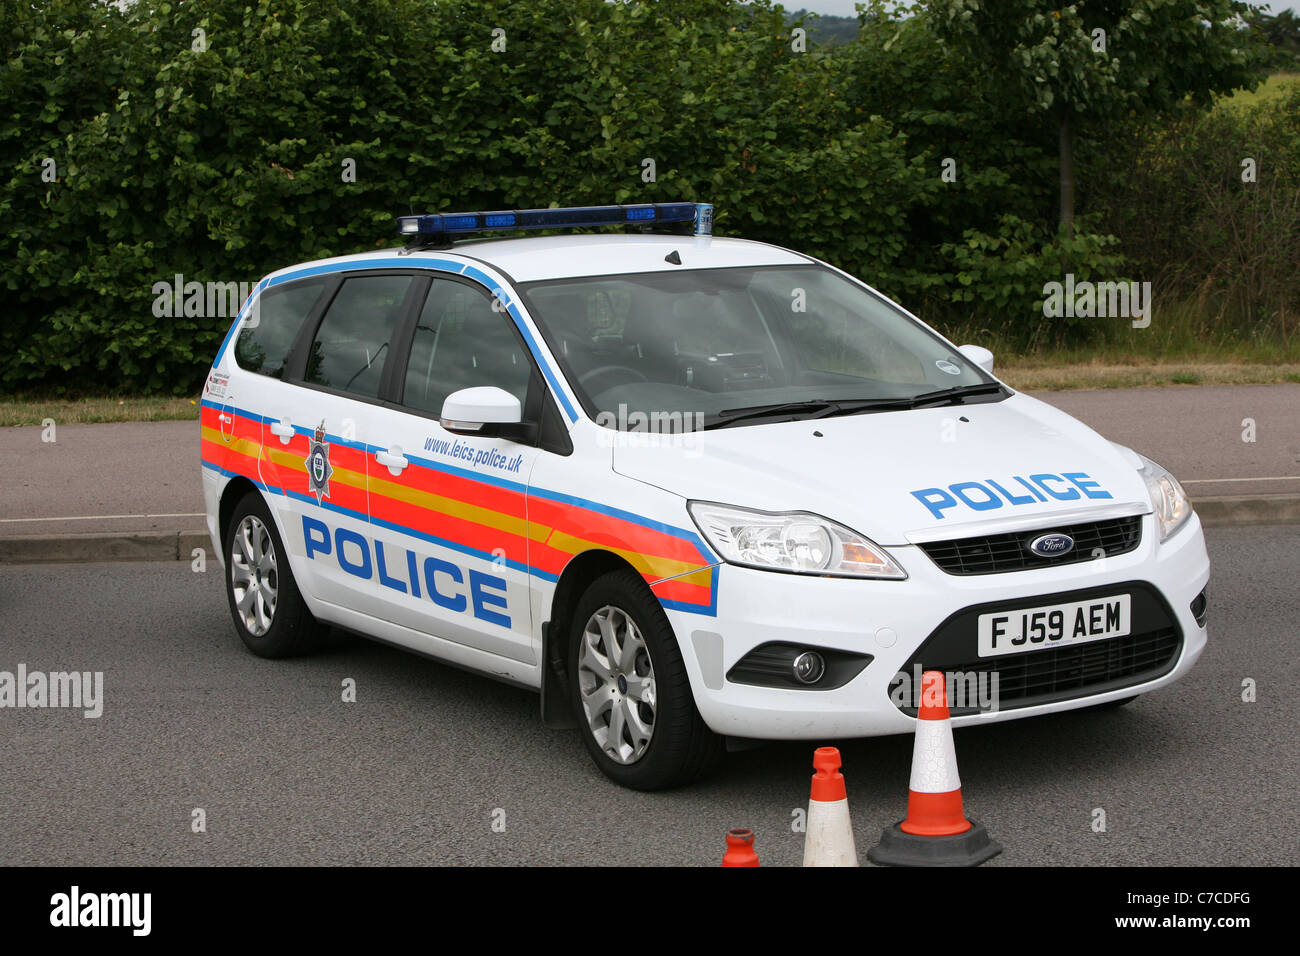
(791, 541)
(1167, 497)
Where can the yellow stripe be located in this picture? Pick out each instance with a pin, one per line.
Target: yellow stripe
(649, 565)
(452, 507)
(652, 566)
(344, 476)
(244, 446)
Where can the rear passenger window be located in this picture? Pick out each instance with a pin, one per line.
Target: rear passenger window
(352, 342)
(460, 342)
(269, 332)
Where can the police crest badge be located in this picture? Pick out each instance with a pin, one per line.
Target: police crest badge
(319, 468)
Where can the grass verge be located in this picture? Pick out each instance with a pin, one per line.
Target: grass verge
(1041, 374)
(21, 410)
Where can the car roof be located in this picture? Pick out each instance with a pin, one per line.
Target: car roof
(567, 256)
(559, 257)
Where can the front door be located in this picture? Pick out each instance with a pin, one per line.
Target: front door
(448, 511)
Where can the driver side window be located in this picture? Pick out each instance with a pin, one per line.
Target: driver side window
(461, 342)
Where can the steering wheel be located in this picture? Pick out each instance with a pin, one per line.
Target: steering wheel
(621, 372)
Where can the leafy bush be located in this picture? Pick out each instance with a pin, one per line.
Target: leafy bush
(1207, 207)
(222, 160)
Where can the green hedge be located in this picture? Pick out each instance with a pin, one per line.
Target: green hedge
(223, 161)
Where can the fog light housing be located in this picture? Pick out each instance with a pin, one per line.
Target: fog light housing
(1200, 609)
(797, 667)
(808, 667)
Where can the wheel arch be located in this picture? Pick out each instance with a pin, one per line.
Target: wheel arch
(576, 577)
(231, 495)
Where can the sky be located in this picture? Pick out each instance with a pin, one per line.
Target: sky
(846, 8)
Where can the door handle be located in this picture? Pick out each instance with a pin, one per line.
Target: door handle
(284, 429)
(393, 459)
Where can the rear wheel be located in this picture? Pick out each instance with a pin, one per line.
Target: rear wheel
(629, 689)
(269, 613)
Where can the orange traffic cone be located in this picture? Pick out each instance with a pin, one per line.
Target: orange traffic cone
(829, 841)
(936, 831)
(740, 849)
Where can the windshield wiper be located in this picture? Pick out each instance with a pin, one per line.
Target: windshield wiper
(955, 395)
(951, 395)
(825, 408)
(817, 407)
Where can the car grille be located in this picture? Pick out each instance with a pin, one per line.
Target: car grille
(998, 553)
(1058, 673)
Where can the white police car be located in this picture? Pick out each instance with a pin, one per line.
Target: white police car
(689, 488)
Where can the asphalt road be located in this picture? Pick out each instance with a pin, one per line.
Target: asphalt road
(144, 476)
(1198, 432)
(420, 767)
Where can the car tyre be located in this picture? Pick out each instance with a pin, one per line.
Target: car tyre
(267, 607)
(629, 690)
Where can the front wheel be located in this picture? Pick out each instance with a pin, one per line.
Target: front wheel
(269, 613)
(629, 689)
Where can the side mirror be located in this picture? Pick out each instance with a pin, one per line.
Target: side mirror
(469, 409)
(979, 355)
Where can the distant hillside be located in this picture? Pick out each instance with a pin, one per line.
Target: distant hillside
(825, 30)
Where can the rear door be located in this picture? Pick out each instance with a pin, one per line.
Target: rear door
(248, 376)
(448, 511)
(317, 429)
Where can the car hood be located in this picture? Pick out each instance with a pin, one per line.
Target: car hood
(876, 472)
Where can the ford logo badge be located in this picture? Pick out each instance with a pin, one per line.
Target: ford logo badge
(1052, 545)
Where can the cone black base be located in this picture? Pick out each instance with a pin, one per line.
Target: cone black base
(897, 848)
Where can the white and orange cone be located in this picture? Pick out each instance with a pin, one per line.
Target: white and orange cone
(829, 841)
(935, 831)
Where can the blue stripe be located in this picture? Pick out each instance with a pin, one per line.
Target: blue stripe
(556, 496)
(465, 473)
(681, 533)
(437, 265)
(500, 294)
(227, 473)
(455, 546)
(257, 290)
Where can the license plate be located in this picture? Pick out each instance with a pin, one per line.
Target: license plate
(1054, 625)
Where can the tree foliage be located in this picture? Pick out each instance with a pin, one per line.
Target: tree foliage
(211, 139)
(1091, 59)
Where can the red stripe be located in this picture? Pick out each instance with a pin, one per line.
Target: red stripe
(575, 520)
(683, 592)
(471, 534)
(612, 532)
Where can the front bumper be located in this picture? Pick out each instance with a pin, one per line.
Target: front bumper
(891, 620)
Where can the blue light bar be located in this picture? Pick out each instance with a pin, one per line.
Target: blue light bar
(442, 226)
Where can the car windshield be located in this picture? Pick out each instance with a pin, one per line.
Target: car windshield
(674, 351)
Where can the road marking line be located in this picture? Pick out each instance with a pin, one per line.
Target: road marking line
(198, 514)
(1216, 481)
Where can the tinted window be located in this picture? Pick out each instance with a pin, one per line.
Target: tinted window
(461, 342)
(269, 332)
(352, 342)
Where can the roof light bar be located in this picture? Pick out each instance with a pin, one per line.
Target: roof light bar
(443, 226)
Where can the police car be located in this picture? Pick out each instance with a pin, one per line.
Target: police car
(693, 490)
